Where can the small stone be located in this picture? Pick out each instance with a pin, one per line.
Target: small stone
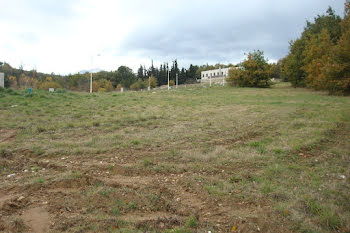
(342, 176)
(178, 199)
(20, 198)
(11, 175)
(25, 170)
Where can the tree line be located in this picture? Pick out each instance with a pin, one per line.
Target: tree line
(104, 80)
(320, 58)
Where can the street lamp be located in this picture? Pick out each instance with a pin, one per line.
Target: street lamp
(92, 57)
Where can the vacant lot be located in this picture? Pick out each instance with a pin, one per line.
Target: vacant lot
(194, 159)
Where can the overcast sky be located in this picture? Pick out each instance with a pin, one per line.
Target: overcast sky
(61, 36)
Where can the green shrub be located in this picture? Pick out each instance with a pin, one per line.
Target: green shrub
(255, 72)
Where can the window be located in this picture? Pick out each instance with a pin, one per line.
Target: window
(206, 75)
(203, 75)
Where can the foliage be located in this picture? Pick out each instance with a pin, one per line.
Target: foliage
(320, 58)
(152, 82)
(49, 84)
(316, 56)
(102, 85)
(293, 63)
(171, 83)
(255, 72)
(119, 87)
(139, 84)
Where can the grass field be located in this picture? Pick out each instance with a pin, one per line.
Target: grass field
(193, 159)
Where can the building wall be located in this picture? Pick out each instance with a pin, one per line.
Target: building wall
(217, 73)
(2, 80)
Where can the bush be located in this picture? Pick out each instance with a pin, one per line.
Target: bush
(135, 86)
(138, 85)
(48, 84)
(171, 83)
(102, 85)
(255, 72)
(119, 87)
(61, 91)
(153, 82)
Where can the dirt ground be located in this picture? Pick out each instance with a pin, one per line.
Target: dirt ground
(61, 204)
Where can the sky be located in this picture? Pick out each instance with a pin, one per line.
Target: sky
(67, 36)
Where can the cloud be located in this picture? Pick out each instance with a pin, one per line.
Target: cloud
(61, 36)
(221, 31)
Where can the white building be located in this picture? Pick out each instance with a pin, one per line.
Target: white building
(216, 75)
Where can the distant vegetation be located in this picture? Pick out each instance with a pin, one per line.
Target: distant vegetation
(104, 80)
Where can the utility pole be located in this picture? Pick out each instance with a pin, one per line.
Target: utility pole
(149, 83)
(210, 80)
(168, 79)
(92, 57)
(91, 75)
(177, 80)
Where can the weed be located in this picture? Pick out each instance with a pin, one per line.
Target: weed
(192, 222)
(39, 180)
(135, 142)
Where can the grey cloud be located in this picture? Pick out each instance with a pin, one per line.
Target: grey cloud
(224, 30)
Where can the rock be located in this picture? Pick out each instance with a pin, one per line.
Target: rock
(342, 176)
(20, 198)
(11, 175)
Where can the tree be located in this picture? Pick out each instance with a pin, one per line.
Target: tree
(255, 72)
(140, 73)
(295, 62)
(315, 58)
(125, 76)
(337, 67)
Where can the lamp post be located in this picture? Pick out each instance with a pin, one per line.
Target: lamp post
(92, 57)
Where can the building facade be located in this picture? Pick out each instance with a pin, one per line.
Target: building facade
(217, 75)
